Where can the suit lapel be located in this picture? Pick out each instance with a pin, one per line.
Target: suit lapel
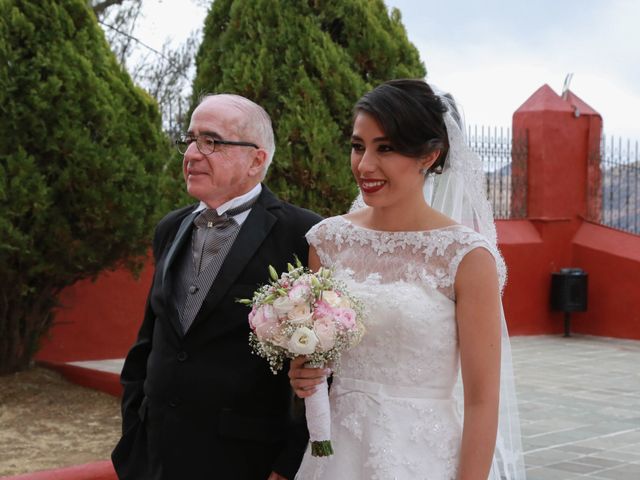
(184, 233)
(180, 241)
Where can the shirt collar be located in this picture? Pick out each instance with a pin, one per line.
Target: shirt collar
(234, 202)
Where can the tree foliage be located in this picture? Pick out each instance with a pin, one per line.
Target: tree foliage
(306, 63)
(81, 160)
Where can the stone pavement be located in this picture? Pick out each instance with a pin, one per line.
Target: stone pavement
(579, 403)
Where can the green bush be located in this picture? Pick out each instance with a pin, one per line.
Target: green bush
(82, 162)
(306, 63)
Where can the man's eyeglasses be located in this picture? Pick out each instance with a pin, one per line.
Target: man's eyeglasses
(206, 144)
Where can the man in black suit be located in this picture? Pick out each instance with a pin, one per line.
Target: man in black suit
(197, 404)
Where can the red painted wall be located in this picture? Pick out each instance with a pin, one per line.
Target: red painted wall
(98, 319)
(612, 260)
(524, 297)
(90, 471)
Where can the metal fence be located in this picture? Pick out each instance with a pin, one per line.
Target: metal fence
(502, 156)
(620, 171)
(504, 159)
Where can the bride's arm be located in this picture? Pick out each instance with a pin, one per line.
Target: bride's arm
(314, 260)
(478, 319)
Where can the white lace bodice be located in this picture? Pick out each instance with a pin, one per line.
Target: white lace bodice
(430, 257)
(392, 401)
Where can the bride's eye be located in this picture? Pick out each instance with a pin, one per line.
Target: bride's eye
(383, 148)
(357, 147)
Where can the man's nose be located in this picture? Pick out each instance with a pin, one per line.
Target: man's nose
(192, 152)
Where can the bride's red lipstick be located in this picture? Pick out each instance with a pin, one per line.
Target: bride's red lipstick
(371, 186)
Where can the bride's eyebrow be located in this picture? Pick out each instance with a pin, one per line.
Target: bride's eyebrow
(375, 140)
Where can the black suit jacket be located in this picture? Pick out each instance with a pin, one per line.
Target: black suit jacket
(202, 405)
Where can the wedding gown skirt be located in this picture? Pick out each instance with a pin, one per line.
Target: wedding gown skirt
(393, 414)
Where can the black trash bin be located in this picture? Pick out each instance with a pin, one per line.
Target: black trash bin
(569, 293)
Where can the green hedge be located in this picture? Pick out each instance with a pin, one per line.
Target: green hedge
(306, 63)
(82, 157)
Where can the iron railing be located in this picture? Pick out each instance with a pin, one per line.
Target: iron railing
(504, 160)
(620, 177)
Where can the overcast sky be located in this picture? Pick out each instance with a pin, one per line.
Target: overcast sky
(492, 55)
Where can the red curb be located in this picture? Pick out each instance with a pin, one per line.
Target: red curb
(103, 381)
(89, 471)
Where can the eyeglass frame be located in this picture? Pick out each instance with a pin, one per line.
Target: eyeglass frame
(181, 142)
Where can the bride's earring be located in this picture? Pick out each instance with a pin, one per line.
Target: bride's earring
(423, 171)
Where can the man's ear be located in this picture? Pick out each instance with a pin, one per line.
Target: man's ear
(257, 164)
(428, 160)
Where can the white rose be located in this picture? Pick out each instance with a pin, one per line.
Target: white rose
(300, 313)
(332, 298)
(282, 306)
(300, 293)
(303, 341)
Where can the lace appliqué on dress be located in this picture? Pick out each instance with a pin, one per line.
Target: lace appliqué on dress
(431, 256)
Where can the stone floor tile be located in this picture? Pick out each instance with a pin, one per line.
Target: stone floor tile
(545, 473)
(624, 472)
(599, 461)
(574, 467)
(572, 447)
(548, 456)
(579, 400)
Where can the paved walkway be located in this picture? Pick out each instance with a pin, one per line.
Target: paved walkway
(579, 406)
(579, 403)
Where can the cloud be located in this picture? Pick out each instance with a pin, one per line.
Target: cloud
(492, 56)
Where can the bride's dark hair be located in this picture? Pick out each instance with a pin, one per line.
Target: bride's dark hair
(411, 115)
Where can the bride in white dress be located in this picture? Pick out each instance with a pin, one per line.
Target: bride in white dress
(419, 250)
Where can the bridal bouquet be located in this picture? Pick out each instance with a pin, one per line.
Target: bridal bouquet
(305, 313)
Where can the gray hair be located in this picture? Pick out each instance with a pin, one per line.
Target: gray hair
(257, 123)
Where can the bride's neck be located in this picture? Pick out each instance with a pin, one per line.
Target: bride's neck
(400, 218)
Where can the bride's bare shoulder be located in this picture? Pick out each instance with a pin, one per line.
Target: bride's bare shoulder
(357, 216)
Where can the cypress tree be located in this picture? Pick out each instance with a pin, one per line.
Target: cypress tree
(306, 63)
(81, 160)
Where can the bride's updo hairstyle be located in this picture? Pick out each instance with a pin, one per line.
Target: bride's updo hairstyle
(411, 116)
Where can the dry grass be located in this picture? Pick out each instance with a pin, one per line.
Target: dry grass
(47, 422)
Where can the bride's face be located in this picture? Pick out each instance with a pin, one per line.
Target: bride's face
(385, 177)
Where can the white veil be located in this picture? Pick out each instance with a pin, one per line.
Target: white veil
(459, 193)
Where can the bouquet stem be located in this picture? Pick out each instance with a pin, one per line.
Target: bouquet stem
(319, 421)
(321, 449)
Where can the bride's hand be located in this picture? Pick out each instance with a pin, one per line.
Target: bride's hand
(304, 379)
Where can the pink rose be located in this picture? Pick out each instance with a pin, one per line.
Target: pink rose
(345, 317)
(263, 321)
(325, 330)
(268, 331)
(323, 309)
